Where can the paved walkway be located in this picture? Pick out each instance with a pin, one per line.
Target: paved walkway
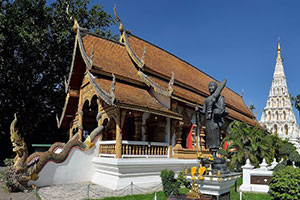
(79, 191)
(76, 191)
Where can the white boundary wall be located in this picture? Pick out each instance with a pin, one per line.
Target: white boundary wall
(263, 170)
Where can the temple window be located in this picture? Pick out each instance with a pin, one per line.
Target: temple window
(276, 116)
(286, 128)
(155, 128)
(284, 115)
(89, 122)
(275, 128)
(128, 127)
(269, 114)
(110, 132)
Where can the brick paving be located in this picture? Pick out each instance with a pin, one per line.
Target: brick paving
(74, 191)
(79, 191)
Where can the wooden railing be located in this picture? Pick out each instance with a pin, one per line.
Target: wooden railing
(134, 149)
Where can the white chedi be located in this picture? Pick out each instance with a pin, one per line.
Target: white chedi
(278, 116)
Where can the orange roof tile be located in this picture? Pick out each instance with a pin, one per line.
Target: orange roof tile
(136, 97)
(112, 57)
(164, 63)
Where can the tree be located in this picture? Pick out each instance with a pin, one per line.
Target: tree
(36, 46)
(296, 100)
(247, 142)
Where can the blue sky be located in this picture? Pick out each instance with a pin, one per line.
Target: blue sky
(234, 39)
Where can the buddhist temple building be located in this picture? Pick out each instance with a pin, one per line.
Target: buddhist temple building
(278, 116)
(148, 98)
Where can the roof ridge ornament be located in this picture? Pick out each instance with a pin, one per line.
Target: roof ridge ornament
(109, 98)
(92, 55)
(112, 89)
(123, 39)
(121, 27)
(156, 87)
(143, 56)
(76, 25)
(171, 83)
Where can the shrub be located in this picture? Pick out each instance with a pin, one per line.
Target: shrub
(279, 166)
(285, 184)
(8, 161)
(170, 184)
(294, 156)
(182, 180)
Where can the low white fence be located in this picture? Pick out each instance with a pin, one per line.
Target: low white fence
(257, 180)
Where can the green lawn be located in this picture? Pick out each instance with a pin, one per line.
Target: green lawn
(160, 195)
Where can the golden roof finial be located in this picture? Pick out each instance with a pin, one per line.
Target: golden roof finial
(75, 26)
(278, 49)
(121, 28)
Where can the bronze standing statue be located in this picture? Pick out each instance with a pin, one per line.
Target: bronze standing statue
(215, 113)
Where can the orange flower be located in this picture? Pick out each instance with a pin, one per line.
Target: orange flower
(200, 177)
(200, 156)
(193, 170)
(201, 170)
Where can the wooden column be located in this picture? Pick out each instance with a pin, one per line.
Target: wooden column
(118, 146)
(80, 127)
(170, 139)
(178, 129)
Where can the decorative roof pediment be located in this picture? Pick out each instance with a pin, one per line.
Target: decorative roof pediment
(139, 65)
(109, 98)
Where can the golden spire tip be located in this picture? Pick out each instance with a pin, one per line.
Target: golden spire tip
(278, 50)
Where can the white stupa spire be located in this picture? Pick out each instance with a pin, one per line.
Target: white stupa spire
(278, 116)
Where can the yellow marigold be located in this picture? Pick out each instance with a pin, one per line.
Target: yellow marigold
(211, 158)
(201, 170)
(200, 177)
(193, 170)
(186, 171)
(193, 178)
(200, 155)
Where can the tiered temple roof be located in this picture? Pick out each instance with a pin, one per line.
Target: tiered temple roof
(138, 67)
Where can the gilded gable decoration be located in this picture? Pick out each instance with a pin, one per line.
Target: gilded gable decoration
(76, 25)
(107, 97)
(123, 39)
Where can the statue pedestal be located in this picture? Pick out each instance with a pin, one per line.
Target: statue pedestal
(216, 187)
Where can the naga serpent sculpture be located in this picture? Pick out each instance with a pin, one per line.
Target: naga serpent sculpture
(28, 168)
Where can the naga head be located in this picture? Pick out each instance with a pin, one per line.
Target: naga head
(15, 138)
